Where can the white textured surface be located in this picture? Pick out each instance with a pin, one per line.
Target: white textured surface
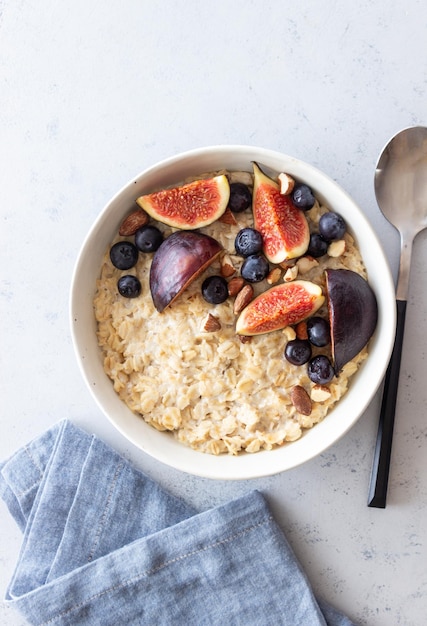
(92, 93)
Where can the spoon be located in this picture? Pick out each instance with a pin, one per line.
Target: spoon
(401, 192)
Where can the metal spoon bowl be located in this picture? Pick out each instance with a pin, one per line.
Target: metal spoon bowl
(401, 192)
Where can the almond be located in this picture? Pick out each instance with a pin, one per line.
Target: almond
(243, 298)
(286, 184)
(290, 274)
(132, 222)
(287, 263)
(289, 333)
(306, 263)
(211, 324)
(227, 217)
(301, 330)
(274, 276)
(245, 338)
(227, 267)
(301, 400)
(336, 248)
(235, 285)
(320, 393)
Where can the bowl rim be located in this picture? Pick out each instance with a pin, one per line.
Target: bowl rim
(162, 446)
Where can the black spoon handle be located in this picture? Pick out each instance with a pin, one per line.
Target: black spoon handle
(381, 465)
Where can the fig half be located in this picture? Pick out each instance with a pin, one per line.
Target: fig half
(190, 206)
(279, 307)
(353, 314)
(177, 262)
(284, 227)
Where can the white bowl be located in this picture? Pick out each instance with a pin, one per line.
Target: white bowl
(164, 447)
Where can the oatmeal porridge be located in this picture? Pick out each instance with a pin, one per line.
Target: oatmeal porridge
(186, 370)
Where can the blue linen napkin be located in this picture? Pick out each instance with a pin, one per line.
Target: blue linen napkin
(104, 544)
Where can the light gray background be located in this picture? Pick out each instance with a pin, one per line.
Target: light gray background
(93, 92)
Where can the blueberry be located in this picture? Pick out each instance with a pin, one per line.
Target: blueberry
(240, 197)
(148, 238)
(298, 351)
(123, 255)
(248, 241)
(318, 331)
(129, 286)
(317, 246)
(303, 197)
(320, 370)
(332, 226)
(215, 289)
(255, 268)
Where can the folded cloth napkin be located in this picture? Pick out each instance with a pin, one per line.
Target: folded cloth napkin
(104, 544)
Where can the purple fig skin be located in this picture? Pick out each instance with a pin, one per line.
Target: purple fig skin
(353, 314)
(177, 262)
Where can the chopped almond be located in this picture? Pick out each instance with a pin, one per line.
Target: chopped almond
(301, 330)
(336, 248)
(290, 274)
(306, 263)
(287, 184)
(320, 393)
(227, 267)
(211, 324)
(274, 276)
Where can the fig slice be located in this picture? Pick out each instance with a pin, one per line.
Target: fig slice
(353, 314)
(190, 206)
(177, 262)
(283, 226)
(280, 306)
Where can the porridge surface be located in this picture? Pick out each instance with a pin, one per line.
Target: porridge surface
(216, 393)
